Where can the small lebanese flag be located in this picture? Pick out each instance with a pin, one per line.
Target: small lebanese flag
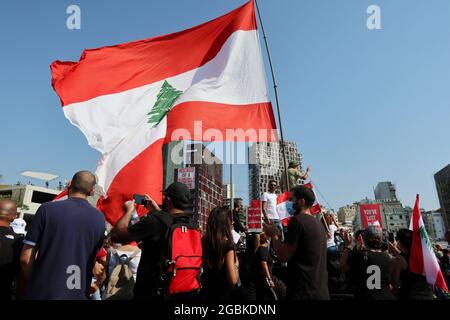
(206, 83)
(62, 196)
(315, 209)
(422, 259)
(284, 206)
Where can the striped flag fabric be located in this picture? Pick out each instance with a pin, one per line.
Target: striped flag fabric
(422, 258)
(284, 208)
(315, 209)
(206, 83)
(62, 196)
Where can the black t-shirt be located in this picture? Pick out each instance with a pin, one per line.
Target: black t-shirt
(68, 235)
(262, 254)
(307, 268)
(413, 286)
(360, 263)
(10, 247)
(215, 281)
(237, 225)
(151, 232)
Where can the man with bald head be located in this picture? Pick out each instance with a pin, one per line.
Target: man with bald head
(61, 245)
(10, 246)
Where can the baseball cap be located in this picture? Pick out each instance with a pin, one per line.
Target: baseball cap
(373, 236)
(180, 195)
(293, 164)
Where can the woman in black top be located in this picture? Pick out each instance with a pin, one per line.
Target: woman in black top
(369, 265)
(263, 268)
(407, 285)
(221, 267)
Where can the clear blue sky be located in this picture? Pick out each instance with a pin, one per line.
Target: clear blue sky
(364, 106)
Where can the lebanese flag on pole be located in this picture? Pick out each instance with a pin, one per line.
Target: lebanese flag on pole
(196, 84)
(422, 259)
(315, 209)
(62, 196)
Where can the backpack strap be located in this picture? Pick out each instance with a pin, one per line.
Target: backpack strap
(133, 254)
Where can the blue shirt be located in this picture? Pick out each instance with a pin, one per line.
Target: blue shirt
(68, 235)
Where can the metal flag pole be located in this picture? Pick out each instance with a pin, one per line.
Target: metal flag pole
(231, 176)
(275, 88)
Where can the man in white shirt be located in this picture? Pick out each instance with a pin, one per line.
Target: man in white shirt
(332, 228)
(269, 206)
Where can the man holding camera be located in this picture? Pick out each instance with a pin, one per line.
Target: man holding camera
(150, 232)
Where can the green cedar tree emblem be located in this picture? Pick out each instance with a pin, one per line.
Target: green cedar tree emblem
(165, 100)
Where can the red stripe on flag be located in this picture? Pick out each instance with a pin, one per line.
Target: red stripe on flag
(142, 175)
(217, 118)
(64, 194)
(416, 263)
(285, 196)
(126, 66)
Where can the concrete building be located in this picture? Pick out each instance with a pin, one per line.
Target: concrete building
(204, 180)
(434, 223)
(442, 180)
(385, 191)
(28, 198)
(266, 163)
(346, 215)
(172, 159)
(227, 190)
(394, 215)
(407, 211)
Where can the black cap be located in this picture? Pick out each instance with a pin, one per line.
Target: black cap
(179, 194)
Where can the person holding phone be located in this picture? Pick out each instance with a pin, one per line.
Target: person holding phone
(368, 260)
(406, 284)
(150, 232)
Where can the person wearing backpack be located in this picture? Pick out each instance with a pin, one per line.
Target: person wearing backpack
(155, 233)
(122, 262)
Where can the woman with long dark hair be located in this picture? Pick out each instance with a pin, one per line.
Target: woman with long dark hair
(221, 267)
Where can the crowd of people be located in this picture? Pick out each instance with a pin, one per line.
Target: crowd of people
(68, 253)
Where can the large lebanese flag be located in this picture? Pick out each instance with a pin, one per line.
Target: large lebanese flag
(422, 258)
(197, 84)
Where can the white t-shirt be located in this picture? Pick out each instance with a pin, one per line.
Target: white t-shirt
(271, 199)
(330, 241)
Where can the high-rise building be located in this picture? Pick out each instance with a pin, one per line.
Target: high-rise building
(172, 159)
(204, 179)
(385, 191)
(266, 163)
(442, 180)
(227, 191)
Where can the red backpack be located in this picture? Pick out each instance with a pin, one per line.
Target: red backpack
(181, 263)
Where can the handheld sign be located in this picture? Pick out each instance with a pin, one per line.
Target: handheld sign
(254, 217)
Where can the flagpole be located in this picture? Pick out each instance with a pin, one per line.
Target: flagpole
(275, 88)
(231, 176)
